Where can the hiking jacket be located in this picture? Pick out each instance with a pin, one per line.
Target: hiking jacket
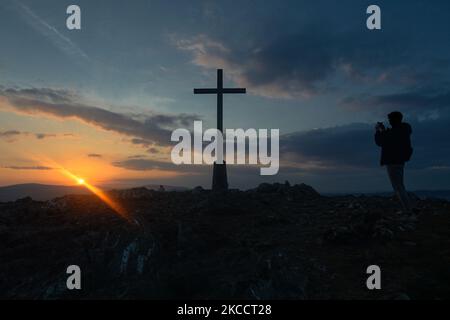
(395, 144)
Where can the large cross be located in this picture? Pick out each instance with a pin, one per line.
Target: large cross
(220, 180)
(220, 91)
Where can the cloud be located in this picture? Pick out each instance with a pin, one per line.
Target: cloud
(137, 156)
(41, 136)
(10, 135)
(140, 141)
(28, 167)
(13, 135)
(143, 129)
(145, 164)
(94, 155)
(60, 41)
(351, 147)
(334, 159)
(299, 64)
(153, 150)
(335, 147)
(413, 102)
(139, 164)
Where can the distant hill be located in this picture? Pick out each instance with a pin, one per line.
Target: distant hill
(166, 188)
(422, 194)
(43, 192)
(40, 192)
(437, 194)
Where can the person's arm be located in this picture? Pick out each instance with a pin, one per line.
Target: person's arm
(379, 137)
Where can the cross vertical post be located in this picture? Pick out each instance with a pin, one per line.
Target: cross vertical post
(220, 100)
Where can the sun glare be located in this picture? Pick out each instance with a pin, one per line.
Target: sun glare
(98, 192)
(104, 196)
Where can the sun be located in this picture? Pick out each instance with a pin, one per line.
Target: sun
(98, 192)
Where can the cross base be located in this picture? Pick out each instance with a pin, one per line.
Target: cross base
(220, 181)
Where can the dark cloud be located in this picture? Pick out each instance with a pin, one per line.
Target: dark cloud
(331, 159)
(143, 164)
(302, 63)
(149, 164)
(139, 141)
(12, 135)
(415, 102)
(344, 146)
(151, 129)
(352, 147)
(28, 167)
(41, 136)
(137, 156)
(94, 155)
(192, 175)
(41, 94)
(153, 150)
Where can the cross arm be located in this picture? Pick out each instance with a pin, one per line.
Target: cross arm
(205, 91)
(234, 90)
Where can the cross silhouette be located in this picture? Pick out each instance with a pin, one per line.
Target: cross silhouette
(220, 91)
(220, 180)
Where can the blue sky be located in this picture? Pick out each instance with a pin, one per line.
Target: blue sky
(311, 69)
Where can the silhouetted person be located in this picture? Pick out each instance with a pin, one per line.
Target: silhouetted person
(395, 143)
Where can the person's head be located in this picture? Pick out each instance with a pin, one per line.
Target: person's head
(395, 118)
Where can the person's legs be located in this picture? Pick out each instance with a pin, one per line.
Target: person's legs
(395, 173)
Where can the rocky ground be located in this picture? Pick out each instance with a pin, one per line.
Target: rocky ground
(273, 242)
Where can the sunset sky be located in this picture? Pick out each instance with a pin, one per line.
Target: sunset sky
(102, 101)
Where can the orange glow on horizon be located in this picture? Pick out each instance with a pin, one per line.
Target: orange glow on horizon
(98, 192)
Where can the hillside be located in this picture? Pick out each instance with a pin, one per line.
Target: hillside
(275, 241)
(37, 191)
(44, 192)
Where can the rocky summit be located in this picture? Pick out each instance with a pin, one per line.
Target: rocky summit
(276, 241)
